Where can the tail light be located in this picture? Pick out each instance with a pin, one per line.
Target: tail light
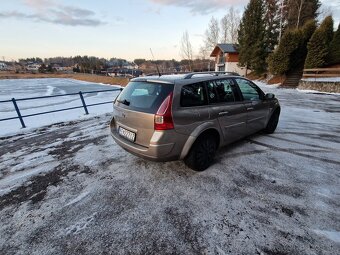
(163, 117)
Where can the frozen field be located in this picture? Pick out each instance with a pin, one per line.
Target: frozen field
(69, 189)
(23, 88)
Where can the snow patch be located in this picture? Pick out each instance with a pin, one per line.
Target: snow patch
(8, 183)
(21, 88)
(49, 91)
(78, 226)
(332, 235)
(78, 198)
(325, 79)
(316, 92)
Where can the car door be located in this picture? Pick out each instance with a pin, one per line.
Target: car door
(257, 108)
(227, 107)
(192, 110)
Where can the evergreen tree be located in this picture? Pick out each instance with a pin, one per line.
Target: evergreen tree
(334, 49)
(251, 37)
(291, 53)
(318, 46)
(298, 57)
(279, 60)
(300, 11)
(272, 20)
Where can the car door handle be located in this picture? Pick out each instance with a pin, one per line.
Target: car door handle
(223, 113)
(250, 108)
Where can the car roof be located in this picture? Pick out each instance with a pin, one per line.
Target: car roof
(187, 78)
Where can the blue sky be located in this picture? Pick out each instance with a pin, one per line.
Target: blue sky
(108, 28)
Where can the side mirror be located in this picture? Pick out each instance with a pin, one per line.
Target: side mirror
(269, 96)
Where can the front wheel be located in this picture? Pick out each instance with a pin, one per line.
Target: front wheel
(202, 153)
(272, 123)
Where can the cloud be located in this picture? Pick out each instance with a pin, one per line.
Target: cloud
(51, 12)
(39, 3)
(153, 11)
(201, 6)
(333, 8)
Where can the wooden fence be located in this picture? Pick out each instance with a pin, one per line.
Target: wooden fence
(321, 72)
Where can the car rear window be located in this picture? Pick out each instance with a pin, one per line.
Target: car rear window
(144, 96)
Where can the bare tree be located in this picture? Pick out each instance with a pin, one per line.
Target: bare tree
(229, 26)
(212, 34)
(300, 11)
(186, 48)
(235, 17)
(225, 23)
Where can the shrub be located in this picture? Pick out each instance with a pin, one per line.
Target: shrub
(334, 49)
(319, 44)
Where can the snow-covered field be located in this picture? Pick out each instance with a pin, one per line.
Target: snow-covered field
(69, 189)
(27, 88)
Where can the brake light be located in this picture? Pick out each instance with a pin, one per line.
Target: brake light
(163, 117)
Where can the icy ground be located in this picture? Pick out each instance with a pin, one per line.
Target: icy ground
(69, 189)
(27, 88)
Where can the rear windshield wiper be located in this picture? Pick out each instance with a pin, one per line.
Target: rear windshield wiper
(126, 102)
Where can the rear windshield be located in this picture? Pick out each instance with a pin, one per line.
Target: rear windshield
(144, 96)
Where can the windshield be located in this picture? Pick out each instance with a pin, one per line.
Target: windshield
(143, 96)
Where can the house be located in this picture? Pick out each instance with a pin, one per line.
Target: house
(58, 67)
(33, 67)
(3, 66)
(125, 72)
(226, 58)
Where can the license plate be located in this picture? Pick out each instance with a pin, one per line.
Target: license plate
(131, 136)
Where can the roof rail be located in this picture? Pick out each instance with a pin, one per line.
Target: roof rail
(216, 73)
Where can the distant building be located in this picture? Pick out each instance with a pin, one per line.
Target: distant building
(3, 66)
(124, 72)
(227, 58)
(58, 67)
(122, 63)
(33, 67)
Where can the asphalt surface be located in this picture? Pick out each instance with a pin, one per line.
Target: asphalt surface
(69, 189)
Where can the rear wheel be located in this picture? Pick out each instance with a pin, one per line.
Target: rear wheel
(272, 123)
(202, 153)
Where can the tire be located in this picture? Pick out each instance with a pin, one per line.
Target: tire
(202, 153)
(272, 123)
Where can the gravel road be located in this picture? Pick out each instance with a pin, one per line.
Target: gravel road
(69, 189)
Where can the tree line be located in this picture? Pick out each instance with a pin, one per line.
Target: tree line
(83, 64)
(279, 36)
(302, 44)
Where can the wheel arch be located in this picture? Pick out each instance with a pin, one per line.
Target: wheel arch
(276, 108)
(198, 133)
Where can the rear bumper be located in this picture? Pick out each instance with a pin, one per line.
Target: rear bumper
(155, 152)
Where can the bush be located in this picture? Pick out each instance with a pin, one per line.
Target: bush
(318, 46)
(292, 50)
(334, 49)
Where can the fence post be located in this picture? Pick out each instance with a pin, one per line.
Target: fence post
(18, 112)
(83, 102)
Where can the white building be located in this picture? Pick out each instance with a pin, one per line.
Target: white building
(3, 66)
(33, 67)
(226, 58)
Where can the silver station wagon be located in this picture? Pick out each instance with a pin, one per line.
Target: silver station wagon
(188, 117)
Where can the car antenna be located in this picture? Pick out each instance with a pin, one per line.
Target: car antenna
(159, 73)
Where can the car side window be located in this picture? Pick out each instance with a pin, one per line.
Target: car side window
(193, 95)
(225, 91)
(248, 90)
(212, 93)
